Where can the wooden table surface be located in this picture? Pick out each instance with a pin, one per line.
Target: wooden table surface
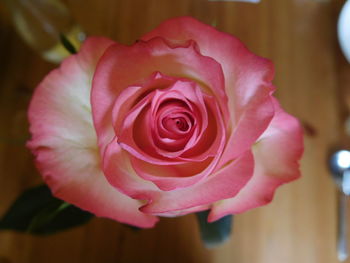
(313, 81)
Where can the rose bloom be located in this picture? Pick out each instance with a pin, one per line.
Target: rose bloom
(182, 121)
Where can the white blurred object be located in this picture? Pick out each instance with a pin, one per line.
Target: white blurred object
(344, 30)
(41, 22)
(249, 1)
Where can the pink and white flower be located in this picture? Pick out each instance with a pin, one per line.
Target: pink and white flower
(182, 121)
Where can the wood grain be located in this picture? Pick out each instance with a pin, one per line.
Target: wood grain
(313, 84)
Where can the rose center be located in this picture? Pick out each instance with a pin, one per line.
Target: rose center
(177, 123)
(181, 124)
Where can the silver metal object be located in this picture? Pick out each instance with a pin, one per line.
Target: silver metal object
(339, 164)
(344, 30)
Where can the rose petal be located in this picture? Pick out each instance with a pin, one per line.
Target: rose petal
(226, 183)
(113, 75)
(186, 211)
(247, 78)
(191, 96)
(138, 140)
(184, 97)
(131, 95)
(119, 172)
(283, 138)
(168, 176)
(65, 144)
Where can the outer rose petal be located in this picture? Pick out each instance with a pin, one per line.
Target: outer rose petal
(65, 144)
(276, 156)
(247, 78)
(224, 184)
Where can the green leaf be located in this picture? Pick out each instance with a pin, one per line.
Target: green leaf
(37, 211)
(215, 233)
(67, 44)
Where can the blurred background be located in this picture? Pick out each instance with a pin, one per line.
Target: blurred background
(313, 80)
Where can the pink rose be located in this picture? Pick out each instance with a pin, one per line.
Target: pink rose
(182, 121)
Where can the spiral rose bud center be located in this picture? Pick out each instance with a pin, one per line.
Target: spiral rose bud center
(179, 123)
(172, 123)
